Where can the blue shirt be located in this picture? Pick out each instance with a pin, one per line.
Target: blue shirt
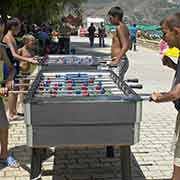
(43, 35)
(133, 31)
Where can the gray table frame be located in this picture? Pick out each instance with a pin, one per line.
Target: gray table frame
(39, 153)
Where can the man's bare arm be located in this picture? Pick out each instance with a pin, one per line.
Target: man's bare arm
(172, 95)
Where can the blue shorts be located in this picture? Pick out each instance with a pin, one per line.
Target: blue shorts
(6, 70)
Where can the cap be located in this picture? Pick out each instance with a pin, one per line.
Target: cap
(172, 52)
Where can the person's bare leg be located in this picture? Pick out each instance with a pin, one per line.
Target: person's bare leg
(4, 143)
(12, 99)
(176, 173)
(20, 104)
(10, 161)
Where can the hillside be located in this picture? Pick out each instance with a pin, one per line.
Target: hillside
(140, 11)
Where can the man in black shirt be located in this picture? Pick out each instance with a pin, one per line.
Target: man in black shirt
(91, 31)
(171, 29)
(101, 34)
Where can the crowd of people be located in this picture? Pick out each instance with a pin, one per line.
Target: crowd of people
(17, 58)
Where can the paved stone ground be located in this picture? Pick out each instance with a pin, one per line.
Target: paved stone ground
(151, 157)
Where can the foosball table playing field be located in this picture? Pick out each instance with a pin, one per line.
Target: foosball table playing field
(73, 108)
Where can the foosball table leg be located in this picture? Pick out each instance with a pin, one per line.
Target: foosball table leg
(110, 151)
(36, 163)
(125, 153)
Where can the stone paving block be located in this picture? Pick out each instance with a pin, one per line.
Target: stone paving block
(16, 173)
(22, 178)
(8, 178)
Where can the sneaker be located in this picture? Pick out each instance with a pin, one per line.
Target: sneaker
(10, 162)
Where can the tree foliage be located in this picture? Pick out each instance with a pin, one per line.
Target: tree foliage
(38, 11)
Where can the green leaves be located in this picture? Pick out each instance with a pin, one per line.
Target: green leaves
(39, 11)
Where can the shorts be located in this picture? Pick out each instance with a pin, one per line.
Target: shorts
(176, 142)
(3, 117)
(122, 68)
(25, 80)
(6, 70)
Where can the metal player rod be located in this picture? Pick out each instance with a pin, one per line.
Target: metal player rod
(78, 82)
(64, 95)
(63, 79)
(73, 95)
(23, 84)
(28, 78)
(24, 76)
(70, 64)
(80, 88)
(74, 91)
(105, 60)
(66, 91)
(113, 89)
(17, 92)
(146, 96)
(77, 79)
(29, 84)
(40, 57)
(74, 76)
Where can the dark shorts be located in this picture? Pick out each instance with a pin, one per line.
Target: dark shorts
(3, 117)
(6, 70)
(133, 39)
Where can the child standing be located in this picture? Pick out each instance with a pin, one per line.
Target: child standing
(26, 51)
(120, 41)
(13, 26)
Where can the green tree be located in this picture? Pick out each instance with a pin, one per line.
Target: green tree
(38, 11)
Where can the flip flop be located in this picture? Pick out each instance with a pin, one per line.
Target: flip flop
(10, 162)
(15, 118)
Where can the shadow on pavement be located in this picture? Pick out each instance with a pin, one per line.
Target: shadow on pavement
(87, 163)
(72, 163)
(90, 164)
(23, 156)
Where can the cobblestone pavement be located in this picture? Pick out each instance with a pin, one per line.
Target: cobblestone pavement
(151, 157)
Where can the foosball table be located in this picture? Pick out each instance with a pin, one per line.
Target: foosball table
(74, 108)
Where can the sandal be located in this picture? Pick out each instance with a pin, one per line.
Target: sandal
(10, 162)
(15, 118)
